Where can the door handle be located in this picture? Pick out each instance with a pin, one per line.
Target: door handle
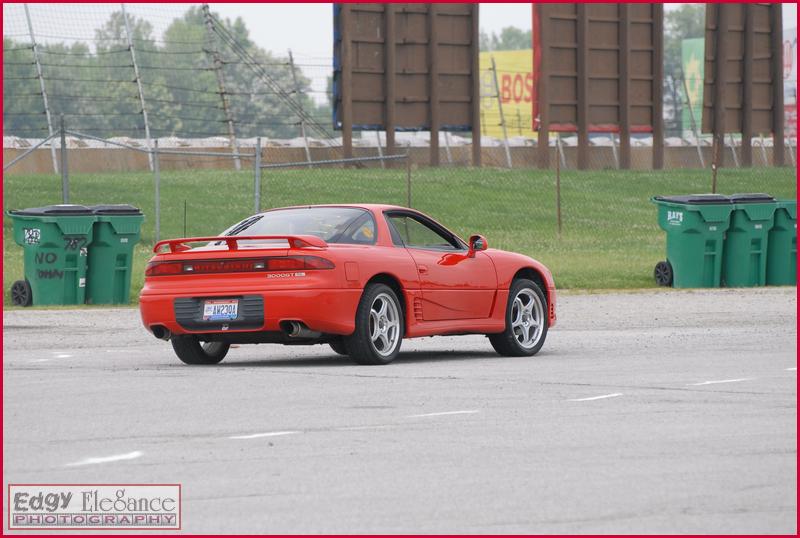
(422, 269)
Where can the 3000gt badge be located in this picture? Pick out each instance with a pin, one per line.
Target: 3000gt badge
(284, 275)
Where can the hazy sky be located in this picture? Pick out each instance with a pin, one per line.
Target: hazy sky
(276, 26)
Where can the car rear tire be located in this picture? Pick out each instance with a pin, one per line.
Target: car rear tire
(191, 351)
(339, 346)
(526, 321)
(379, 327)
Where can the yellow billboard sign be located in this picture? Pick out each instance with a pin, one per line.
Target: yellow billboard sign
(515, 90)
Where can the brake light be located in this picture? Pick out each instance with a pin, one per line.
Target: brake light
(247, 265)
(163, 268)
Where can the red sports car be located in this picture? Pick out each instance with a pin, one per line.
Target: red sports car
(357, 277)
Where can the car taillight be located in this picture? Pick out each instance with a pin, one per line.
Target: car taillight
(248, 265)
(163, 268)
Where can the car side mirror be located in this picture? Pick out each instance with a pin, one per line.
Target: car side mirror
(476, 244)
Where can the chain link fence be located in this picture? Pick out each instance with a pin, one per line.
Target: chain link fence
(593, 228)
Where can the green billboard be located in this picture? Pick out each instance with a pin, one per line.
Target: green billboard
(692, 63)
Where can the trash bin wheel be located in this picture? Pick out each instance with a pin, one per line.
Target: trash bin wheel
(21, 293)
(663, 273)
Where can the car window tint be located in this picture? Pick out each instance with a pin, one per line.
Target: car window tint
(417, 234)
(360, 232)
(332, 224)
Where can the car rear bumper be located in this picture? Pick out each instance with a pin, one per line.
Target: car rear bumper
(330, 311)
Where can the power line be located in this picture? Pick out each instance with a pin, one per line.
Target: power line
(224, 34)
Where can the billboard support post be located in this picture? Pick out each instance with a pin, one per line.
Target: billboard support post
(776, 36)
(658, 86)
(433, 83)
(747, 89)
(347, 81)
(390, 51)
(624, 161)
(583, 88)
(476, 88)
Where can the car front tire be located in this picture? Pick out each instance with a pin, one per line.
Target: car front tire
(191, 351)
(379, 327)
(526, 321)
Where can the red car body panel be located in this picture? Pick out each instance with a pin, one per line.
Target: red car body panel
(443, 292)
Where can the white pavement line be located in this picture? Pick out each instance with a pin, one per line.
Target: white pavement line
(791, 369)
(265, 434)
(358, 428)
(603, 397)
(466, 412)
(63, 356)
(107, 459)
(40, 360)
(721, 381)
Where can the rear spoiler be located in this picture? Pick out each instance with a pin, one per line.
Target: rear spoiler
(232, 241)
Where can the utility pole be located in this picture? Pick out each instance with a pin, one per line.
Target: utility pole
(41, 86)
(502, 116)
(214, 51)
(300, 104)
(138, 85)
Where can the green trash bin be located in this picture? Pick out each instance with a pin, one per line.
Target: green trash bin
(782, 245)
(744, 263)
(117, 229)
(695, 226)
(54, 241)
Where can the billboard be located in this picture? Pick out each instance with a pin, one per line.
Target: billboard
(692, 64)
(597, 66)
(694, 68)
(432, 56)
(742, 49)
(515, 85)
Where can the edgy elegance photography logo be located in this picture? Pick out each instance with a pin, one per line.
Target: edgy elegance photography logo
(94, 506)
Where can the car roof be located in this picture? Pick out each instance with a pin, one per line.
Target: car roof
(371, 207)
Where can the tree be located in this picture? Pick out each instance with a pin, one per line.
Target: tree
(96, 89)
(510, 38)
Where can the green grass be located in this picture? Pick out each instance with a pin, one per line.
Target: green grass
(610, 238)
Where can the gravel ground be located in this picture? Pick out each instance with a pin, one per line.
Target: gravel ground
(665, 411)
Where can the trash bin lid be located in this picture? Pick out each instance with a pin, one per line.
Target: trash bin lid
(115, 209)
(751, 198)
(54, 210)
(695, 199)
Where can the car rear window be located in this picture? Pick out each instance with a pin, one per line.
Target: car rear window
(332, 224)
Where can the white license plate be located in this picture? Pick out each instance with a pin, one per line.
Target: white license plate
(221, 310)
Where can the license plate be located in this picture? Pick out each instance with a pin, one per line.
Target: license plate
(221, 310)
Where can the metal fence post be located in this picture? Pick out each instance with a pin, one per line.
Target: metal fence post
(257, 176)
(502, 116)
(64, 171)
(300, 104)
(408, 180)
(558, 196)
(138, 82)
(157, 178)
(42, 88)
(217, 59)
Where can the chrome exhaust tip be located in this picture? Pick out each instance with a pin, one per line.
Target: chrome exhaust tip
(296, 329)
(161, 332)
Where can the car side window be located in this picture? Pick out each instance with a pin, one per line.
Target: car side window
(414, 233)
(360, 232)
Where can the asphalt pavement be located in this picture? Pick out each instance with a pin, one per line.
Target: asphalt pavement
(662, 411)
